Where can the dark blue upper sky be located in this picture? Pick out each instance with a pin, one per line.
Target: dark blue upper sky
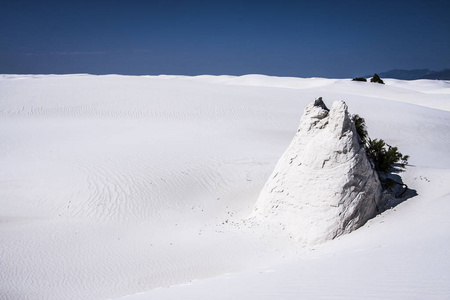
(285, 38)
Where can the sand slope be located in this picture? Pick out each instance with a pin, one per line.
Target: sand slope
(115, 185)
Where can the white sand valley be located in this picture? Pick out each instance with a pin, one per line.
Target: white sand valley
(119, 185)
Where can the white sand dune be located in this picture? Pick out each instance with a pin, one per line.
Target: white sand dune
(117, 185)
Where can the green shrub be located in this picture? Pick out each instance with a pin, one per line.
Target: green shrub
(360, 125)
(383, 156)
(359, 79)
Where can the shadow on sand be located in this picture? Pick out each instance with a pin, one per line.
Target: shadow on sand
(396, 191)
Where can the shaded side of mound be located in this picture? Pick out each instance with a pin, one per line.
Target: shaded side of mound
(324, 185)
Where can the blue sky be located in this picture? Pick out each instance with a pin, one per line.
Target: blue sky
(283, 38)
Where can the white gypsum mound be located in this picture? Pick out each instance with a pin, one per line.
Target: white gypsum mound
(323, 186)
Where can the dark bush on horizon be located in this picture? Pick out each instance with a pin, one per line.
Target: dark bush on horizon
(359, 79)
(376, 78)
